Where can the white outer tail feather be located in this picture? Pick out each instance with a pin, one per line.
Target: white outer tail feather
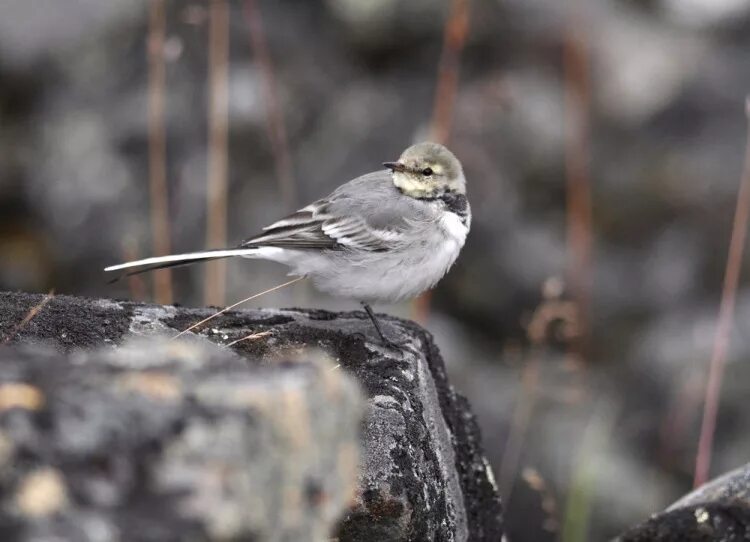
(191, 256)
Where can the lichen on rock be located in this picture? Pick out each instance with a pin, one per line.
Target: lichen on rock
(267, 424)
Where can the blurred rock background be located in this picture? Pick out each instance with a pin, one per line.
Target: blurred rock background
(583, 442)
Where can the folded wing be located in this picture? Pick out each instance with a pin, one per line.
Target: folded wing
(320, 226)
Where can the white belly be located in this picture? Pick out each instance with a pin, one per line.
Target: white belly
(389, 276)
(395, 276)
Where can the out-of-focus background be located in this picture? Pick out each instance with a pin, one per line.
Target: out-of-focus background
(603, 143)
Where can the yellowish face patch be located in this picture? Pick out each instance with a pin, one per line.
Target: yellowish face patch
(411, 186)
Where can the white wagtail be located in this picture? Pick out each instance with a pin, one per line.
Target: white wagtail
(385, 236)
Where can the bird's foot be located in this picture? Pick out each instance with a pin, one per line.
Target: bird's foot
(384, 341)
(394, 345)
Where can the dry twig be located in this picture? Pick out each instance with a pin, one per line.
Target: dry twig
(725, 320)
(230, 307)
(251, 337)
(454, 39)
(157, 149)
(29, 316)
(216, 191)
(577, 161)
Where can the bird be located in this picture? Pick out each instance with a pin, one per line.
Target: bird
(385, 236)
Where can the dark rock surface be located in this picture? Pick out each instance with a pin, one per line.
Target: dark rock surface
(169, 441)
(718, 511)
(424, 475)
(734, 486)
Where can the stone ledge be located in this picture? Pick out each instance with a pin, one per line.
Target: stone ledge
(718, 511)
(424, 476)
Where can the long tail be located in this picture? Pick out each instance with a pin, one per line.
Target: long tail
(176, 260)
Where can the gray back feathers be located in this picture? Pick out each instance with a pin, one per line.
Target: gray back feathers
(367, 213)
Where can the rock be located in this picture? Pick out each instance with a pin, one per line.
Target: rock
(423, 475)
(173, 441)
(734, 485)
(718, 511)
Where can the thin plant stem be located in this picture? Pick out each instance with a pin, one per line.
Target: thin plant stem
(216, 190)
(681, 411)
(251, 337)
(725, 321)
(274, 114)
(577, 98)
(29, 316)
(157, 148)
(230, 307)
(522, 414)
(454, 38)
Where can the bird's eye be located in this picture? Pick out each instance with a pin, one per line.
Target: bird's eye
(427, 172)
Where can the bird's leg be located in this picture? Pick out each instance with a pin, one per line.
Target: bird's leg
(375, 322)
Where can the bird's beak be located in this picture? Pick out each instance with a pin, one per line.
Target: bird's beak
(395, 166)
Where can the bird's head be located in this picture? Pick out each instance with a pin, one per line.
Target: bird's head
(428, 170)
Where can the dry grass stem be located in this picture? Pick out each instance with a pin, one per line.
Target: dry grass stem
(157, 149)
(577, 97)
(676, 425)
(216, 191)
(251, 337)
(725, 320)
(454, 39)
(274, 114)
(522, 414)
(230, 307)
(29, 316)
